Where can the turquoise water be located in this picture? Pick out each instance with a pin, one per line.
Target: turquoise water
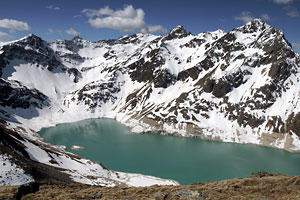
(187, 160)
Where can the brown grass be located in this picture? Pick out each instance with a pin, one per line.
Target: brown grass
(263, 188)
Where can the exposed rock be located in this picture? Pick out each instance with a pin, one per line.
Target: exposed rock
(97, 195)
(163, 79)
(15, 95)
(23, 190)
(176, 33)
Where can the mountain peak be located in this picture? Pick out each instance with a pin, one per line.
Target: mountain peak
(177, 33)
(254, 26)
(257, 21)
(32, 40)
(30, 37)
(77, 37)
(179, 27)
(178, 30)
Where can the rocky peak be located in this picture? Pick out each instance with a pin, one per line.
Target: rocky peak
(266, 37)
(77, 38)
(74, 44)
(255, 34)
(33, 41)
(177, 33)
(31, 37)
(257, 22)
(255, 26)
(129, 39)
(27, 47)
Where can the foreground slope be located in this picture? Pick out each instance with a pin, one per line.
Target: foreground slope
(258, 186)
(241, 86)
(25, 160)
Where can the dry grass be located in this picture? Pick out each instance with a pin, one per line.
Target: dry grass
(263, 188)
(7, 192)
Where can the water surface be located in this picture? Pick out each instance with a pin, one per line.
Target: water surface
(187, 160)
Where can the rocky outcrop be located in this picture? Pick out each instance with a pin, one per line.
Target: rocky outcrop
(13, 94)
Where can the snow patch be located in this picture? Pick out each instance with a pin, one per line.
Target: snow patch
(11, 174)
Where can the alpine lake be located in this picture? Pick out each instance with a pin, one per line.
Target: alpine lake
(186, 160)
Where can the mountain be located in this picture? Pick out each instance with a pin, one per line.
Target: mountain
(241, 86)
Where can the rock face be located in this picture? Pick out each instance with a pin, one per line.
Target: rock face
(11, 91)
(241, 86)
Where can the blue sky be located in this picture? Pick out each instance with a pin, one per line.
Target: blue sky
(105, 19)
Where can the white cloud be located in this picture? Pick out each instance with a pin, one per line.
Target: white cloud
(245, 17)
(50, 30)
(296, 46)
(153, 29)
(97, 13)
(71, 31)
(265, 17)
(127, 19)
(292, 11)
(53, 7)
(4, 37)
(77, 16)
(127, 12)
(14, 25)
(282, 1)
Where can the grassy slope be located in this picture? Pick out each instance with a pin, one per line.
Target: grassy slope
(254, 187)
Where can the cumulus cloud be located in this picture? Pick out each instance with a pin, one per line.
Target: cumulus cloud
(14, 25)
(53, 8)
(71, 31)
(282, 1)
(245, 17)
(291, 11)
(127, 19)
(296, 46)
(4, 37)
(265, 17)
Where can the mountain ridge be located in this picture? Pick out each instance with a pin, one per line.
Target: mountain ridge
(241, 86)
(164, 70)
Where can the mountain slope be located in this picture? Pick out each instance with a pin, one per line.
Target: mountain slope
(26, 160)
(241, 86)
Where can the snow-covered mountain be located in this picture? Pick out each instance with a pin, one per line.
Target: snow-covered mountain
(241, 86)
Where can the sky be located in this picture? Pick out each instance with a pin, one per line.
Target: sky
(96, 20)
